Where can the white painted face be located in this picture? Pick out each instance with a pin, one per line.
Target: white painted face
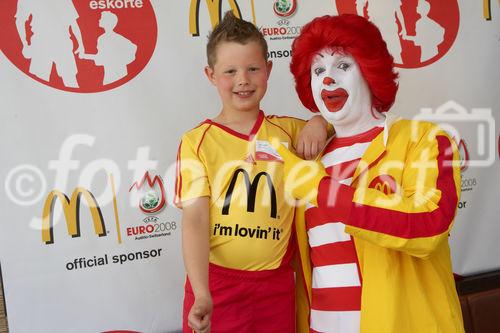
(339, 89)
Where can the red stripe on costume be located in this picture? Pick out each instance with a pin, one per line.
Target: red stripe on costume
(317, 216)
(334, 253)
(414, 225)
(343, 170)
(368, 136)
(334, 200)
(337, 299)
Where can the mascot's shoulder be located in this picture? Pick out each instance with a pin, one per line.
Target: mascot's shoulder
(414, 128)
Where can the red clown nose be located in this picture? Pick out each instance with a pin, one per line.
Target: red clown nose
(328, 80)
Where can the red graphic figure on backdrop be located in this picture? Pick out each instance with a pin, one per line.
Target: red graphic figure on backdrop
(417, 32)
(78, 46)
(50, 43)
(114, 51)
(387, 21)
(429, 33)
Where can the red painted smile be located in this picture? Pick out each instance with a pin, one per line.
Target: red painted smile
(334, 100)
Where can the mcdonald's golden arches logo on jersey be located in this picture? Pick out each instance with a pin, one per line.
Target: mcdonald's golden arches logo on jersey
(251, 187)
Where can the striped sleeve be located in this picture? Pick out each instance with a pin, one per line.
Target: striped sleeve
(191, 176)
(415, 219)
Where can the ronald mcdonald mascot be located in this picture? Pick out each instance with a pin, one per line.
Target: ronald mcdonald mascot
(378, 209)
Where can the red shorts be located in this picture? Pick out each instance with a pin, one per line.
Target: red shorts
(248, 301)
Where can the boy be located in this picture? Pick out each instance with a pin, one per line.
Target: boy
(237, 228)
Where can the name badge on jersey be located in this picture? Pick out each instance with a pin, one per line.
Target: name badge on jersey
(265, 152)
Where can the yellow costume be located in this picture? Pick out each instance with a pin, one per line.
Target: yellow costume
(399, 209)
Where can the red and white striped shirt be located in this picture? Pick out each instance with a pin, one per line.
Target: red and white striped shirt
(336, 285)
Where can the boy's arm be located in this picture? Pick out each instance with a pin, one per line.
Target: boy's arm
(195, 249)
(312, 138)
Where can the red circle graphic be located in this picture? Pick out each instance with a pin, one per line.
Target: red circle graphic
(80, 46)
(417, 32)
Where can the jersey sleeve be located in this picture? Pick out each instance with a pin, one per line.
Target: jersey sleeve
(292, 126)
(191, 180)
(415, 219)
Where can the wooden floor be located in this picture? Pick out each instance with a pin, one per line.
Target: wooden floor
(3, 320)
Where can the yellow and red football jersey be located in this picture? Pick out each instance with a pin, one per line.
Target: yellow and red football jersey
(250, 217)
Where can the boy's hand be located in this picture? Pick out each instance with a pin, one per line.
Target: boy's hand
(312, 138)
(199, 315)
(302, 177)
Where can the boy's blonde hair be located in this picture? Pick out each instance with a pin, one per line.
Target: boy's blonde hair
(233, 29)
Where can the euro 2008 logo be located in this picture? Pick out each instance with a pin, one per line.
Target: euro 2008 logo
(284, 8)
(79, 46)
(152, 197)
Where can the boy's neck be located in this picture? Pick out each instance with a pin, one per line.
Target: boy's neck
(239, 121)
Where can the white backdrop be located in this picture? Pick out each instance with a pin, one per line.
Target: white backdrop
(102, 136)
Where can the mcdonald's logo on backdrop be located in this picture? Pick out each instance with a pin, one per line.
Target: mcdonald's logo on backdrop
(251, 190)
(487, 9)
(214, 8)
(71, 209)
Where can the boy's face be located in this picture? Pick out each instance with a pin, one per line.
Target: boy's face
(240, 74)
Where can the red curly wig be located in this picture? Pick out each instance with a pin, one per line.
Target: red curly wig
(355, 36)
